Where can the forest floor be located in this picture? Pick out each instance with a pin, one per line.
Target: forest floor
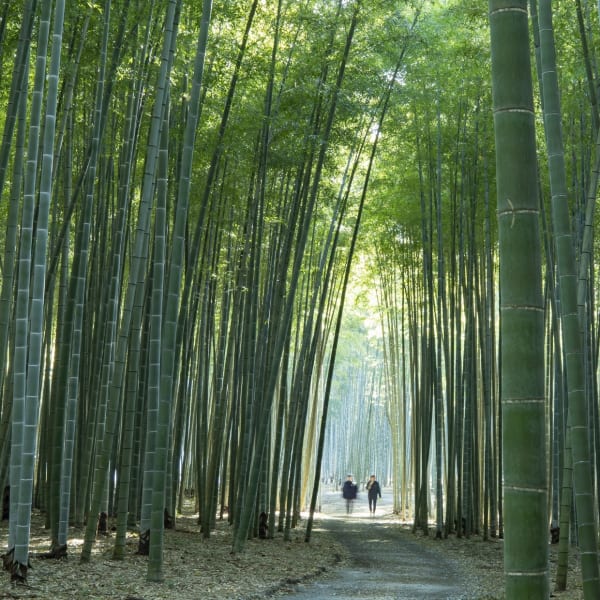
(196, 567)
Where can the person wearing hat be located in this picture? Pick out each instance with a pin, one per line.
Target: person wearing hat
(349, 490)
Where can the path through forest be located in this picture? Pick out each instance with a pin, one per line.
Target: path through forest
(383, 564)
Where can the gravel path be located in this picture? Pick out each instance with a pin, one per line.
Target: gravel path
(382, 563)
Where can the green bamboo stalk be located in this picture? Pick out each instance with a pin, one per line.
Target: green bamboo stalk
(126, 464)
(279, 340)
(136, 278)
(8, 278)
(522, 331)
(571, 326)
(176, 259)
(19, 85)
(159, 401)
(64, 429)
(18, 566)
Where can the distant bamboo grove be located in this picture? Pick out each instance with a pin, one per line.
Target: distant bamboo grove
(251, 246)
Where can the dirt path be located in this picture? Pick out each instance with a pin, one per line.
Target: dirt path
(383, 564)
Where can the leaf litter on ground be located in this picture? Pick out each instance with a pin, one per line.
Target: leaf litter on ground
(197, 567)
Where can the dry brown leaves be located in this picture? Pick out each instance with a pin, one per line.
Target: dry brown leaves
(481, 563)
(194, 567)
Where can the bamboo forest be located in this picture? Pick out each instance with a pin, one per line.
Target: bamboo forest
(250, 246)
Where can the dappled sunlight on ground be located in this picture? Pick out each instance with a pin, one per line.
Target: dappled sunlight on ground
(194, 567)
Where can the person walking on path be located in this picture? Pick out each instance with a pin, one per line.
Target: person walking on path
(374, 491)
(349, 490)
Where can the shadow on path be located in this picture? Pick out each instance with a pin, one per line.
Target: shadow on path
(384, 562)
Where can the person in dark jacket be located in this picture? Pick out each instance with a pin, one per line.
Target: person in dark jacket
(374, 492)
(349, 490)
